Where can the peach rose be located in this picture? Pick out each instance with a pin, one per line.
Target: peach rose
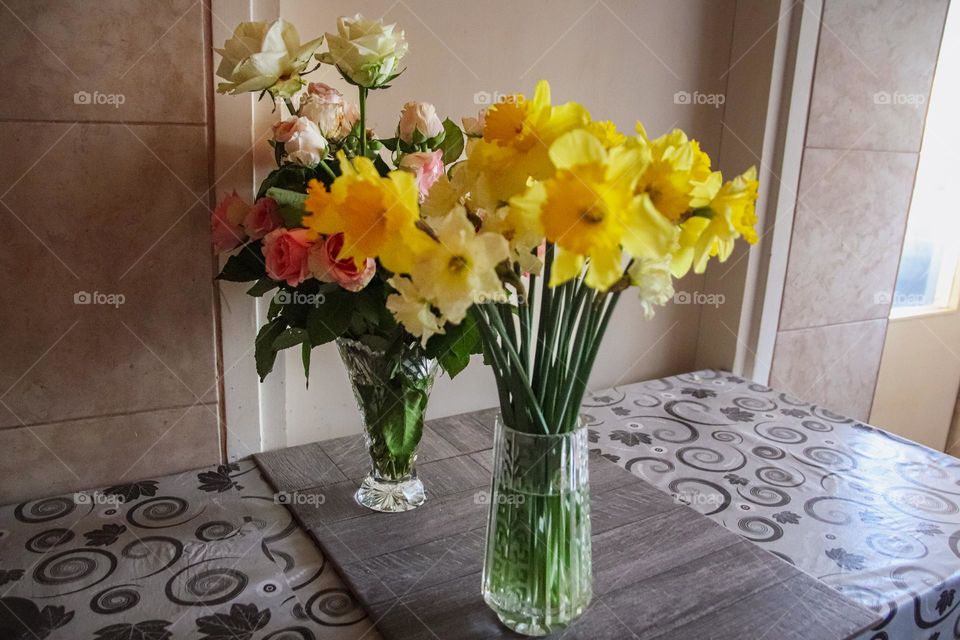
(264, 217)
(226, 223)
(427, 166)
(326, 267)
(286, 253)
(419, 118)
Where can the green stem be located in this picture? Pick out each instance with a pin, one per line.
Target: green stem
(363, 121)
(327, 170)
(289, 103)
(546, 301)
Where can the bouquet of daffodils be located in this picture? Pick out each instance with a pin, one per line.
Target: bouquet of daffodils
(328, 275)
(532, 239)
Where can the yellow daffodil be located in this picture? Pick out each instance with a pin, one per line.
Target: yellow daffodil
(606, 132)
(460, 268)
(517, 134)
(412, 309)
(713, 230)
(588, 209)
(376, 215)
(653, 281)
(678, 177)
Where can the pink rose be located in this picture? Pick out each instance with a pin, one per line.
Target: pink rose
(286, 252)
(226, 223)
(285, 129)
(264, 217)
(326, 267)
(427, 166)
(419, 118)
(325, 92)
(473, 127)
(302, 140)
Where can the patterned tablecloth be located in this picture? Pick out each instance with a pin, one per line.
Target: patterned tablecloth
(205, 554)
(871, 514)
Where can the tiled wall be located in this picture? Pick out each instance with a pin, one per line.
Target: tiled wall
(104, 187)
(874, 69)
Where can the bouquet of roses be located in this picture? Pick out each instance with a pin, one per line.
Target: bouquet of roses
(326, 282)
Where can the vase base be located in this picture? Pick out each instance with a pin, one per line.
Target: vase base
(391, 497)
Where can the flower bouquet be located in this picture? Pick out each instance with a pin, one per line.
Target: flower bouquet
(327, 277)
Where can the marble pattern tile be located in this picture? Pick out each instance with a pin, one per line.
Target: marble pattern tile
(875, 66)
(848, 229)
(150, 52)
(81, 454)
(117, 211)
(834, 366)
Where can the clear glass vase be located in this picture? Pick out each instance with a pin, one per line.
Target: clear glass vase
(392, 390)
(537, 573)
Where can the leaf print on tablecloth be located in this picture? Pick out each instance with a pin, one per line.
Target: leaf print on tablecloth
(593, 436)
(240, 624)
(945, 600)
(146, 630)
(733, 478)
(133, 490)
(21, 618)
(105, 536)
(630, 438)
(871, 517)
(220, 479)
(846, 561)
(794, 413)
(10, 575)
(929, 529)
(621, 411)
(737, 414)
(787, 517)
(700, 394)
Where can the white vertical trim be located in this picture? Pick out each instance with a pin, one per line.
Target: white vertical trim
(254, 421)
(794, 62)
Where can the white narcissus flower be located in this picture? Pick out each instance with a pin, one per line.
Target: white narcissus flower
(264, 55)
(654, 283)
(419, 122)
(302, 141)
(367, 52)
(412, 309)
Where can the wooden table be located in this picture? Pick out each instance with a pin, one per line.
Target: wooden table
(661, 570)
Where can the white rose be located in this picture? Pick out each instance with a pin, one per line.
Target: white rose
(263, 55)
(367, 52)
(654, 283)
(302, 141)
(419, 117)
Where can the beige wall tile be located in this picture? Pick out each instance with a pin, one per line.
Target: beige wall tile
(848, 229)
(875, 65)
(149, 51)
(85, 454)
(114, 210)
(834, 366)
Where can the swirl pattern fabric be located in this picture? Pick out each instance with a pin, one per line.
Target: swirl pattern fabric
(873, 515)
(203, 554)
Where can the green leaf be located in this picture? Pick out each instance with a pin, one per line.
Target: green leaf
(264, 351)
(291, 337)
(263, 285)
(305, 350)
(452, 142)
(244, 266)
(329, 320)
(402, 432)
(290, 176)
(453, 348)
(389, 143)
(291, 204)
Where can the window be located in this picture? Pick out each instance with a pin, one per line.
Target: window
(927, 280)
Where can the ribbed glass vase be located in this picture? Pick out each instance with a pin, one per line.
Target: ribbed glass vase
(537, 573)
(392, 390)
